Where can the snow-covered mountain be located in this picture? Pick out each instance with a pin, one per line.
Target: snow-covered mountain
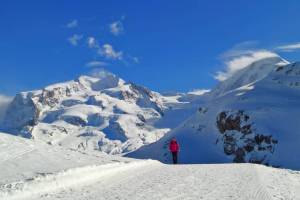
(253, 119)
(104, 113)
(255, 71)
(250, 117)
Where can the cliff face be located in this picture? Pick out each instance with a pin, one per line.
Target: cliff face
(240, 138)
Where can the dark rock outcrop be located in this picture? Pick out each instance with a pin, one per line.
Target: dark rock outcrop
(240, 139)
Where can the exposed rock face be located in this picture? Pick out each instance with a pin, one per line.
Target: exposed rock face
(240, 139)
(145, 98)
(24, 113)
(288, 75)
(27, 107)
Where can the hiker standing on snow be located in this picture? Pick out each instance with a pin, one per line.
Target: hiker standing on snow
(174, 148)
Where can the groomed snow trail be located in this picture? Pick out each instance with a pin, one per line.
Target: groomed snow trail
(48, 183)
(152, 180)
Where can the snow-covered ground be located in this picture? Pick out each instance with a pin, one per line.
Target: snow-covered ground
(22, 160)
(153, 180)
(32, 171)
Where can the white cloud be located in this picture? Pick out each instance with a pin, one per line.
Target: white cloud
(96, 63)
(116, 28)
(72, 24)
(108, 52)
(75, 39)
(4, 103)
(100, 73)
(289, 47)
(241, 61)
(241, 48)
(198, 91)
(92, 42)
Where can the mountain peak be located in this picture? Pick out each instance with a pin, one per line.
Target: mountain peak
(238, 61)
(253, 72)
(100, 80)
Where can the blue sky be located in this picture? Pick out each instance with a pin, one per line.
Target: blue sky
(164, 45)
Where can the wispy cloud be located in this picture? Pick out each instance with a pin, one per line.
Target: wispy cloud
(104, 50)
(4, 103)
(198, 91)
(116, 28)
(96, 63)
(109, 52)
(240, 49)
(92, 42)
(242, 59)
(100, 73)
(74, 39)
(289, 47)
(72, 24)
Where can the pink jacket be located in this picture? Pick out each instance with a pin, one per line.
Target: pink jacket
(174, 146)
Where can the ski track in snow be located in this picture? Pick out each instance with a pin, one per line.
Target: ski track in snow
(152, 180)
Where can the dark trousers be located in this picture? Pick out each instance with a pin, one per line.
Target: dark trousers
(174, 155)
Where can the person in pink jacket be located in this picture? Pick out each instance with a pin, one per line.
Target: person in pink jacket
(174, 148)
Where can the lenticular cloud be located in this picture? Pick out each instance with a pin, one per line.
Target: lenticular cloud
(236, 63)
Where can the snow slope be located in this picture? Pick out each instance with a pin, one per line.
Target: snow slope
(24, 159)
(254, 72)
(256, 123)
(29, 167)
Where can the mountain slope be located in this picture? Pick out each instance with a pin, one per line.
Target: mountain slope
(252, 73)
(255, 123)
